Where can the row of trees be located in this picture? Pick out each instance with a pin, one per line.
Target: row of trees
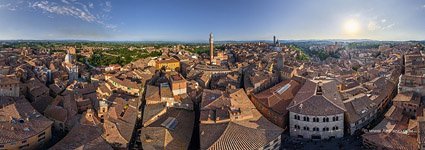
(200, 50)
(302, 56)
(306, 52)
(120, 56)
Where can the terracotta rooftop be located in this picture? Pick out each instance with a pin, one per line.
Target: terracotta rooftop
(57, 113)
(171, 60)
(8, 80)
(251, 133)
(359, 107)
(152, 110)
(279, 96)
(152, 93)
(394, 113)
(407, 97)
(248, 134)
(165, 90)
(155, 136)
(41, 104)
(83, 137)
(176, 77)
(392, 140)
(421, 129)
(309, 101)
(126, 83)
(209, 98)
(120, 120)
(19, 120)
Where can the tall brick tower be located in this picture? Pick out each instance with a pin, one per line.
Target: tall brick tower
(211, 47)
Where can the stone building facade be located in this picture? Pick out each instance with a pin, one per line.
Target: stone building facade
(317, 111)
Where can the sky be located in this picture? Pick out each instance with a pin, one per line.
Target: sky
(193, 20)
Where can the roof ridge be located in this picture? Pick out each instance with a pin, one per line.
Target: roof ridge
(299, 102)
(215, 100)
(165, 137)
(325, 90)
(344, 109)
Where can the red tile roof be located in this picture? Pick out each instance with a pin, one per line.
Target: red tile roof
(19, 120)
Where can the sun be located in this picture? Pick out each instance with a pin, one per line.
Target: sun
(352, 26)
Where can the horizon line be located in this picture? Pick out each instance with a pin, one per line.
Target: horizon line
(206, 41)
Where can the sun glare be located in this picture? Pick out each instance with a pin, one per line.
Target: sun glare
(352, 26)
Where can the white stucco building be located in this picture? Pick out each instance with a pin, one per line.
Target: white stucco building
(71, 68)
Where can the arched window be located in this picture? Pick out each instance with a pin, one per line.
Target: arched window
(296, 117)
(326, 119)
(315, 119)
(335, 128)
(315, 129)
(335, 118)
(325, 129)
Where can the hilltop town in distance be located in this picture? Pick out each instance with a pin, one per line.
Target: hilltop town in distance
(329, 94)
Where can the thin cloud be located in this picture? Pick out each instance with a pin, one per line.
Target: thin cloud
(5, 5)
(390, 26)
(65, 1)
(372, 26)
(77, 10)
(110, 26)
(382, 24)
(64, 10)
(107, 6)
(8, 6)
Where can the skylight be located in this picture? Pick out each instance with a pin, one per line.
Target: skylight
(283, 89)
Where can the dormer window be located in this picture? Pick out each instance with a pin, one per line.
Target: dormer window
(319, 89)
